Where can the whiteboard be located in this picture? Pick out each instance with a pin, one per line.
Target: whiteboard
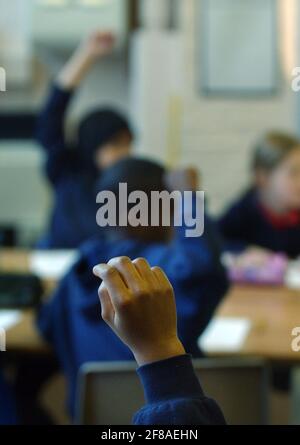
(239, 49)
(63, 23)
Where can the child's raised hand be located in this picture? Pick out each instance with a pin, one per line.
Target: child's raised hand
(138, 304)
(98, 44)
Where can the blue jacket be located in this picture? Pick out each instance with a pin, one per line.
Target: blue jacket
(71, 321)
(72, 176)
(174, 396)
(245, 224)
(7, 406)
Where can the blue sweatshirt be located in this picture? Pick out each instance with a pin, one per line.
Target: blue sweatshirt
(7, 406)
(174, 396)
(245, 224)
(72, 323)
(72, 176)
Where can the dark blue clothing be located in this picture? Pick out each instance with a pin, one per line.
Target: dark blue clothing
(73, 177)
(174, 396)
(7, 406)
(245, 224)
(72, 321)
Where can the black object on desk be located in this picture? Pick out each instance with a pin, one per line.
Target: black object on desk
(19, 291)
(8, 236)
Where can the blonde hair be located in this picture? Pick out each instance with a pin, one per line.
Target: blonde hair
(272, 149)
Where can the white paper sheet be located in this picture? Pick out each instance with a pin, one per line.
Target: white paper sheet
(52, 264)
(225, 335)
(292, 278)
(9, 318)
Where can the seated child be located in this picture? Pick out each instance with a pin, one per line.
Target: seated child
(70, 322)
(267, 216)
(138, 304)
(104, 137)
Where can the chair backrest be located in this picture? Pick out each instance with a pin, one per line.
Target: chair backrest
(295, 408)
(110, 393)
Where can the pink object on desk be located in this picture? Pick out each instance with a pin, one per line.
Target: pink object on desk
(270, 271)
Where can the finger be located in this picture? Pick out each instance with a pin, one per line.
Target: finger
(162, 278)
(128, 271)
(107, 308)
(145, 272)
(113, 282)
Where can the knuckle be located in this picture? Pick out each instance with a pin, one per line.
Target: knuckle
(110, 273)
(120, 261)
(124, 304)
(124, 261)
(141, 292)
(101, 291)
(105, 315)
(156, 291)
(140, 261)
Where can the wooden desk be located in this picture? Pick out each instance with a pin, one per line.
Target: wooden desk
(274, 312)
(24, 336)
(12, 260)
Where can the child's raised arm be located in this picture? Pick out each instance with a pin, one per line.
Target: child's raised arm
(138, 304)
(51, 120)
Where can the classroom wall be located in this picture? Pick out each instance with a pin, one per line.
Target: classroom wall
(214, 134)
(217, 134)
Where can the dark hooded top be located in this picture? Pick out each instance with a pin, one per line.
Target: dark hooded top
(71, 171)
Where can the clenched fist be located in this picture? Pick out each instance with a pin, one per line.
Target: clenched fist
(138, 304)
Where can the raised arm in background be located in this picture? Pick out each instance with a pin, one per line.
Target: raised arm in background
(50, 124)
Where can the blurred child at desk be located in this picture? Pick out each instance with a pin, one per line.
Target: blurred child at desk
(267, 217)
(70, 321)
(104, 137)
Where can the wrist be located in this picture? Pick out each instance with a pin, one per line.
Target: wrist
(75, 70)
(84, 57)
(159, 352)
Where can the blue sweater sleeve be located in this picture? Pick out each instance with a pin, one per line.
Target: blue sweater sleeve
(50, 132)
(174, 396)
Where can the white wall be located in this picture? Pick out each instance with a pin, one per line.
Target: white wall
(217, 134)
